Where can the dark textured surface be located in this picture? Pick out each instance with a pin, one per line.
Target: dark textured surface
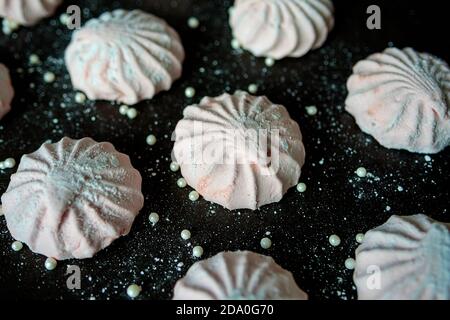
(336, 202)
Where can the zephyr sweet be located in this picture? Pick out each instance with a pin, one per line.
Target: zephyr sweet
(72, 198)
(239, 151)
(6, 91)
(28, 12)
(281, 28)
(240, 275)
(401, 98)
(124, 56)
(406, 258)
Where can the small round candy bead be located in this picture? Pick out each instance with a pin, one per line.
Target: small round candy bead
(80, 97)
(301, 187)
(174, 167)
(197, 251)
(132, 113)
(153, 218)
(181, 183)
(359, 237)
(134, 290)
(50, 264)
(334, 240)
(193, 23)
(194, 196)
(49, 77)
(17, 245)
(185, 234)
(123, 109)
(9, 163)
(269, 62)
(253, 88)
(189, 92)
(350, 263)
(151, 140)
(361, 172)
(266, 243)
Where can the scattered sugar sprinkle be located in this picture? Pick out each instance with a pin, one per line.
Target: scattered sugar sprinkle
(400, 189)
(301, 187)
(350, 263)
(193, 23)
(265, 243)
(50, 264)
(197, 251)
(153, 218)
(133, 290)
(427, 158)
(334, 240)
(17, 245)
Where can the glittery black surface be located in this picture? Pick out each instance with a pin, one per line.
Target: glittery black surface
(336, 201)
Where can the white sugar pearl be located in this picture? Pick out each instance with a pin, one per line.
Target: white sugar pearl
(132, 113)
(235, 44)
(301, 187)
(2, 165)
(311, 110)
(427, 158)
(34, 59)
(185, 234)
(193, 23)
(197, 251)
(181, 183)
(266, 243)
(361, 172)
(359, 237)
(17, 245)
(9, 163)
(350, 263)
(50, 264)
(80, 97)
(399, 188)
(64, 19)
(334, 240)
(153, 218)
(151, 140)
(193, 196)
(252, 88)
(49, 77)
(123, 109)
(269, 62)
(189, 92)
(134, 290)
(174, 167)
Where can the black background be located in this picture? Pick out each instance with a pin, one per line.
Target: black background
(336, 200)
